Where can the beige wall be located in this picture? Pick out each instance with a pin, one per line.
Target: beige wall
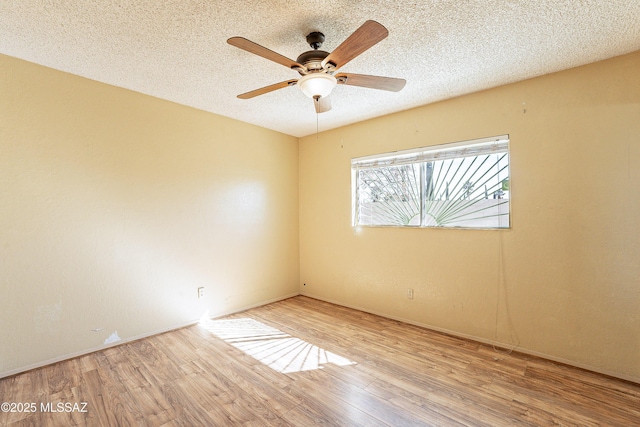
(115, 207)
(564, 282)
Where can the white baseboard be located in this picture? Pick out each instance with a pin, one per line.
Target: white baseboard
(136, 338)
(552, 358)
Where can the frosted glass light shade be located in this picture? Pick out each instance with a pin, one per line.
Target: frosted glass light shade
(317, 84)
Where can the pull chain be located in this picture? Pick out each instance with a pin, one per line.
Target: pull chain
(316, 104)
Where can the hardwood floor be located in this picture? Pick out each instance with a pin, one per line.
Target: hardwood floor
(303, 362)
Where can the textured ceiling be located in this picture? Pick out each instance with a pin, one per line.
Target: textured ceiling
(177, 50)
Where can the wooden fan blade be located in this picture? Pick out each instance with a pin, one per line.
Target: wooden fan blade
(267, 89)
(362, 39)
(322, 104)
(249, 46)
(373, 82)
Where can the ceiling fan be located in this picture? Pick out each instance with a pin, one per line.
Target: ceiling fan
(318, 68)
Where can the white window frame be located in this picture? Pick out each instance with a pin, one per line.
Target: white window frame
(458, 151)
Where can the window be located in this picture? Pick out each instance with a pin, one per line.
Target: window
(463, 184)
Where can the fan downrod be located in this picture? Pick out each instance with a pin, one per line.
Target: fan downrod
(315, 40)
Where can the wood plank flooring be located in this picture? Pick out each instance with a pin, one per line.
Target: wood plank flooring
(303, 362)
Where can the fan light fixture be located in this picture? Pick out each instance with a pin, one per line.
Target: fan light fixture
(317, 84)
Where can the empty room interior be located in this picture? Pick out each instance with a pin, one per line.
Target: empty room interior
(173, 254)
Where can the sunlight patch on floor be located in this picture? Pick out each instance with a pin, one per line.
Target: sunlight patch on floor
(274, 348)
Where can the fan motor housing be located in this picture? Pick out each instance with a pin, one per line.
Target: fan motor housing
(312, 59)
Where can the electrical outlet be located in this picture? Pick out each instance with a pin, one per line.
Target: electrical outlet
(200, 292)
(410, 293)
